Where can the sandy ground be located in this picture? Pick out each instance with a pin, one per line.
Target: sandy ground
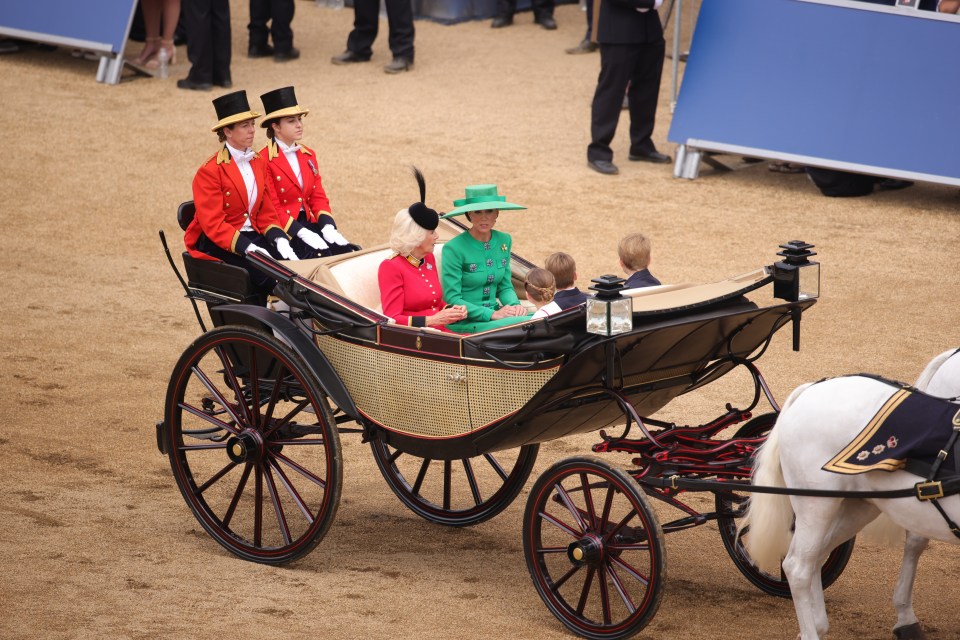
(97, 540)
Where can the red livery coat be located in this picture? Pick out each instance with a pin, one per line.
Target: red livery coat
(408, 293)
(220, 197)
(285, 190)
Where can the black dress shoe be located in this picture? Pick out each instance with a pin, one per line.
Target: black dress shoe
(398, 65)
(547, 22)
(226, 84)
(501, 21)
(259, 51)
(603, 166)
(348, 57)
(286, 56)
(585, 46)
(187, 83)
(653, 156)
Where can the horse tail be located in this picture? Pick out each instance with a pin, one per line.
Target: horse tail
(931, 369)
(769, 516)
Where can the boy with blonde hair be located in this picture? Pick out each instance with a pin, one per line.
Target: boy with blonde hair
(634, 251)
(564, 271)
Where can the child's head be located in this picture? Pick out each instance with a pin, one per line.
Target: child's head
(634, 251)
(563, 268)
(540, 286)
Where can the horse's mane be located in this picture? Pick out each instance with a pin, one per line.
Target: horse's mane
(924, 380)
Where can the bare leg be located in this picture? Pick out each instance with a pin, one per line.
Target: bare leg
(907, 626)
(171, 15)
(151, 24)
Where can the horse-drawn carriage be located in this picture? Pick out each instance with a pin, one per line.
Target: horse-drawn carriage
(256, 406)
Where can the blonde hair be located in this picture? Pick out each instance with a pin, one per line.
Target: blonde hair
(540, 285)
(563, 268)
(406, 234)
(634, 251)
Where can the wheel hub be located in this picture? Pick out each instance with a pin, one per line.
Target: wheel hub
(586, 550)
(246, 447)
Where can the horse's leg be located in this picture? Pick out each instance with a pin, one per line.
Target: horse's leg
(814, 521)
(907, 627)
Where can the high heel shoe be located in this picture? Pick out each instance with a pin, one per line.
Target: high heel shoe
(171, 49)
(150, 49)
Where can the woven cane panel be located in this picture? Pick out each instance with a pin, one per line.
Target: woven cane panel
(426, 398)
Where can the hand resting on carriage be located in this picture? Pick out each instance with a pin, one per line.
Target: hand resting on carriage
(285, 250)
(255, 248)
(312, 239)
(332, 236)
(509, 311)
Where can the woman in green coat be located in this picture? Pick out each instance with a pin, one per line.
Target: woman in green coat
(476, 264)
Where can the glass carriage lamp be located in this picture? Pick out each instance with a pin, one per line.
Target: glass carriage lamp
(796, 277)
(608, 312)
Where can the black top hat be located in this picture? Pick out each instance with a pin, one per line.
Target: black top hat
(280, 103)
(232, 108)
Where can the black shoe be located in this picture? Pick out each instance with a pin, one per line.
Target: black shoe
(652, 156)
(286, 56)
(259, 51)
(225, 84)
(547, 22)
(348, 57)
(187, 83)
(501, 21)
(585, 46)
(890, 184)
(603, 166)
(398, 65)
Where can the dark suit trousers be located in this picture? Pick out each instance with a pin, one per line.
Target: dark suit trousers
(280, 14)
(208, 39)
(366, 18)
(640, 67)
(541, 8)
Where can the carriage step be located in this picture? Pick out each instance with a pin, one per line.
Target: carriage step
(160, 438)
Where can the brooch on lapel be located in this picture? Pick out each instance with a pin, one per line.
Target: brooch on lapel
(472, 267)
(503, 247)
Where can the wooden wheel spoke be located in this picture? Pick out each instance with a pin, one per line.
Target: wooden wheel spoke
(604, 594)
(609, 535)
(228, 516)
(392, 458)
(568, 503)
(258, 509)
(200, 447)
(415, 489)
(306, 473)
(560, 525)
(472, 481)
(496, 466)
(558, 584)
(299, 441)
(287, 418)
(618, 586)
(447, 474)
(588, 498)
(233, 382)
(206, 485)
(275, 394)
(205, 381)
(254, 389)
(607, 505)
(639, 577)
(585, 591)
(277, 507)
(294, 495)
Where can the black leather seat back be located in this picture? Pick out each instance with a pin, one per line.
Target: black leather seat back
(185, 213)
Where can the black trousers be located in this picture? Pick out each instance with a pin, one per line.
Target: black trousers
(305, 251)
(366, 19)
(262, 283)
(280, 14)
(640, 67)
(208, 39)
(541, 8)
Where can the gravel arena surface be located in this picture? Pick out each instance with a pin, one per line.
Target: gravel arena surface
(98, 542)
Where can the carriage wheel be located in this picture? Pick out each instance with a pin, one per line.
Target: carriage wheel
(735, 502)
(252, 444)
(594, 548)
(457, 493)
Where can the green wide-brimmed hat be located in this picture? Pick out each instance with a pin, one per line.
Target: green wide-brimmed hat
(480, 197)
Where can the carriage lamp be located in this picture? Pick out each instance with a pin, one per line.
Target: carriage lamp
(608, 312)
(796, 277)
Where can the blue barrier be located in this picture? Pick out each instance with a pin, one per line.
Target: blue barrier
(837, 84)
(101, 26)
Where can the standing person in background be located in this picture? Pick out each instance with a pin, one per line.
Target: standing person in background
(366, 18)
(587, 45)
(208, 44)
(631, 53)
(280, 14)
(542, 14)
(303, 209)
(155, 14)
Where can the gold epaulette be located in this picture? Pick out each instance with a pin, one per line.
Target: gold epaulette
(223, 156)
(306, 150)
(272, 150)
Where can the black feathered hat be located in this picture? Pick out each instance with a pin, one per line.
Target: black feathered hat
(423, 215)
(232, 108)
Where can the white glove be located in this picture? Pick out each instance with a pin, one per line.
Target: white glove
(255, 248)
(283, 246)
(312, 239)
(331, 235)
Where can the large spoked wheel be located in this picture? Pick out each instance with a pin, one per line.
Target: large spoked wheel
(594, 548)
(457, 493)
(731, 505)
(252, 445)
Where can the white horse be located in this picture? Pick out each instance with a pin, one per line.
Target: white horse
(817, 421)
